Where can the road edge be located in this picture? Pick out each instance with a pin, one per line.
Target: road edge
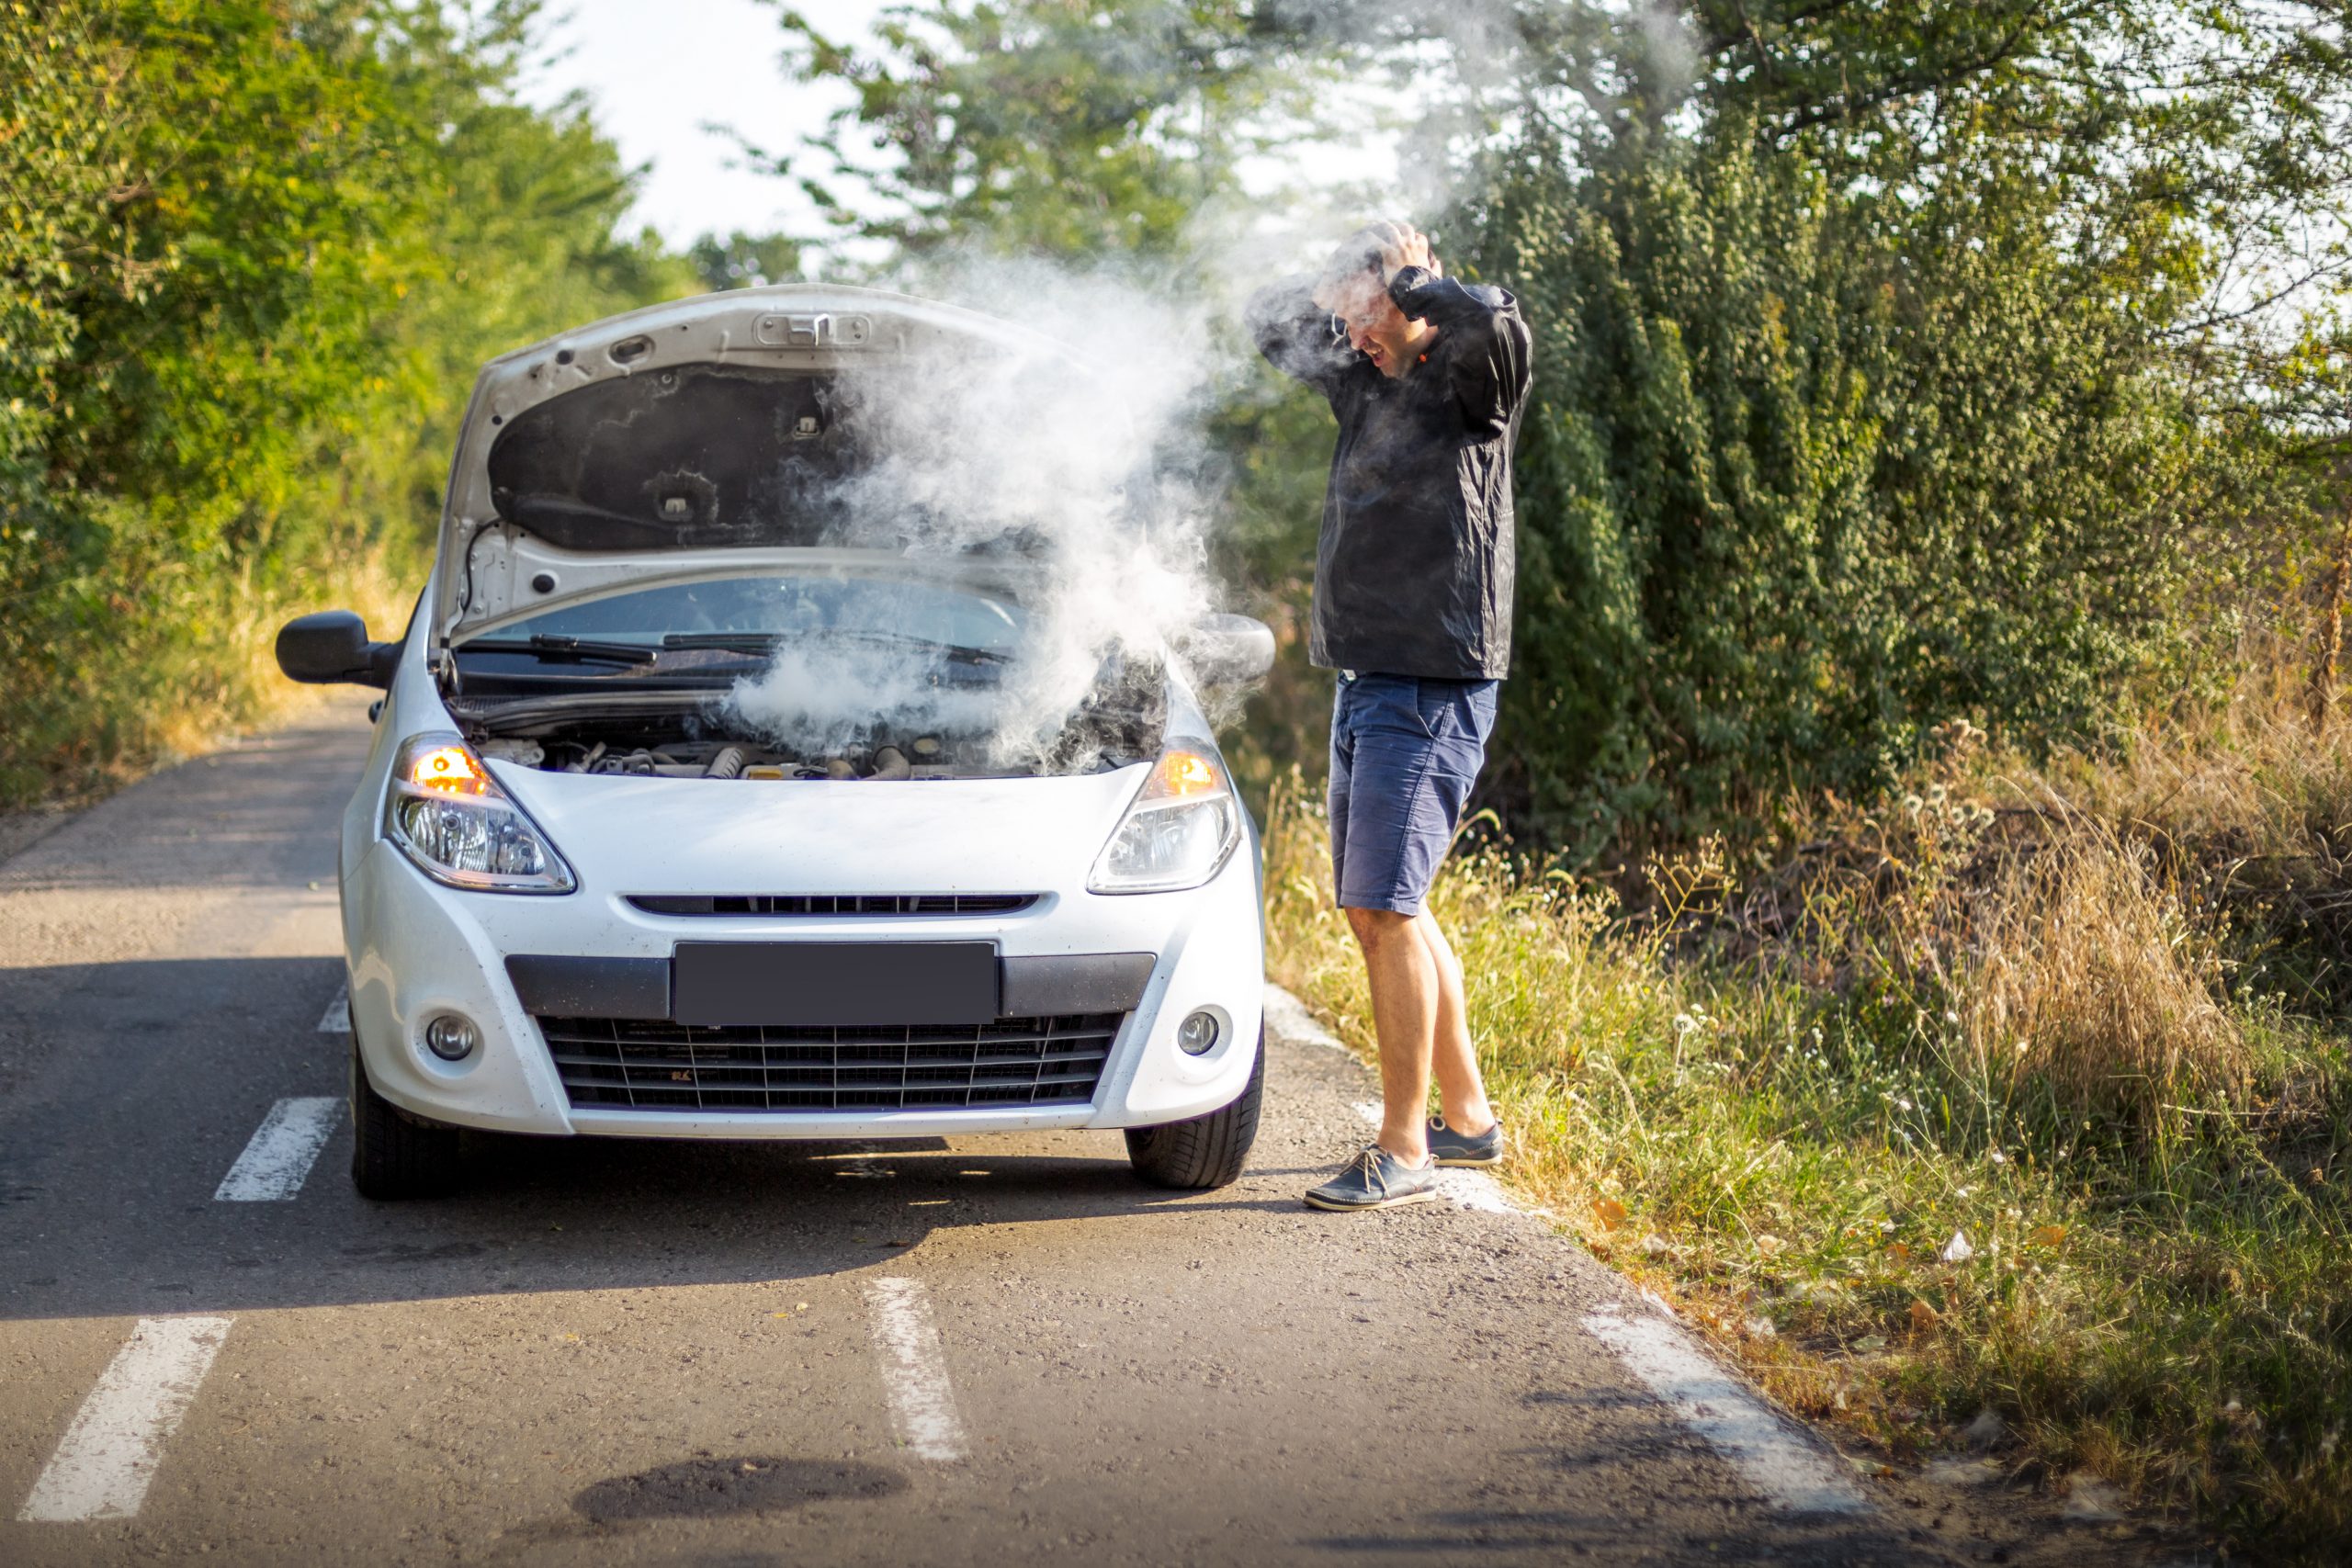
(1784, 1459)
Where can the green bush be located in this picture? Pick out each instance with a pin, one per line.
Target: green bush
(253, 255)
(1808, 471)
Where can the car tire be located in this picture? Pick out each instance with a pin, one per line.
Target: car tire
(395, 1156)
(1207, 1151)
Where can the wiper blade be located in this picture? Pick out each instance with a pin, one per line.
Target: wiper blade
(727, 642)
(767, 642)
(549, 646)
(963, 653)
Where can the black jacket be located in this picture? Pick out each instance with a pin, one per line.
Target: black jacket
(1413, 570)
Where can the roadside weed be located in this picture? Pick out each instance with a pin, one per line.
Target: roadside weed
(1939, 1119)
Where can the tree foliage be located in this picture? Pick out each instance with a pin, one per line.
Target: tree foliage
(1901, 364)
(1805, 479)
(256, 251)
(1896, 362)
(1058, 128)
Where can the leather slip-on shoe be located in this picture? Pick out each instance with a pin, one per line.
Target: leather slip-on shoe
(1375, 1179)
(1450, 1148)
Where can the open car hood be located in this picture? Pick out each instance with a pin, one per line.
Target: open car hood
(672, 436)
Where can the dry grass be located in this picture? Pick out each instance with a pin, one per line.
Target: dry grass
(2249, 772)
(185, 663)
(2088, 980)
(2054, 1012)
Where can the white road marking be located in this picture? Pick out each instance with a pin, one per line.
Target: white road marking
(1777, 1459)
(281, 1152)
(1287, 1017)
(914, 1370)
(1466, 1189)
(108, 1456)
(1770, 1454)
(336, 1020)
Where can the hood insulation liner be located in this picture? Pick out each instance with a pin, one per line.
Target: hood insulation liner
(691, 456)
(703, 455)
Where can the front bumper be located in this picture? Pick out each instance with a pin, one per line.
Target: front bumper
(416, 949)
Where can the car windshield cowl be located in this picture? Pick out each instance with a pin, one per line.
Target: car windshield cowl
(767, 642)
(555, 646)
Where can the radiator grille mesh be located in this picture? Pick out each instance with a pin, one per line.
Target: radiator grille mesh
(627, 1063)
(833, 903)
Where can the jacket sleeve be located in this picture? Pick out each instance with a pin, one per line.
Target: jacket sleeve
(1483, 344)
(1294, 334)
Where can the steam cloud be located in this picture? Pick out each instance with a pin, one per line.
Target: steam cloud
(1111, 471)
(1091, 467)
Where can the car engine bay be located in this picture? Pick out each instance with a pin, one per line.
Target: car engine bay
(686, 735)
(924, 756)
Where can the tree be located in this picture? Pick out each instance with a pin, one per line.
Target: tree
(256, 251)
(744, 261)
(1894, 361)
(1054, 127)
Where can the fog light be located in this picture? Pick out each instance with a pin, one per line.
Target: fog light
(1197, 1033)
(451, 1038)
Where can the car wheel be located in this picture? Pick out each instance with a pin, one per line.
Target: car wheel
(393, 1154)
(1206, 1151)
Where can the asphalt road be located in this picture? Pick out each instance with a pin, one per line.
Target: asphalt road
(968, 1351)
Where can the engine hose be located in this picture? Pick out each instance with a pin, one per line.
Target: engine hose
(728, 764)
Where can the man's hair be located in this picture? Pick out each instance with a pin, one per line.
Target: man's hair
(1357, 254)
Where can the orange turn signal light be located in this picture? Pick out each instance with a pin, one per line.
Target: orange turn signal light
(450, 769)
(1184, 775)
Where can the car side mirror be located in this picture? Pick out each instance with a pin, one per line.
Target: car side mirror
(1227, 650)
(331, 647)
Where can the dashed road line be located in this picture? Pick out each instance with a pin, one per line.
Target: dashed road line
(279, 1158)
(336, 1020)
(1772, 1456)
(914, 1370)
(108, 1454)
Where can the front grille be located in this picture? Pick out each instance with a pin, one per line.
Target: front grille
(835, 904)
(625, 1064)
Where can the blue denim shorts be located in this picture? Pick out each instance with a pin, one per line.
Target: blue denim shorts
(1405, 752)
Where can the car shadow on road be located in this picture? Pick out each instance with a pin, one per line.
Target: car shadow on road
(158, 1071)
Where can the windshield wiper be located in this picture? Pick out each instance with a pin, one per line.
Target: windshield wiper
(767, 642)
(549, 645)
(727, 642)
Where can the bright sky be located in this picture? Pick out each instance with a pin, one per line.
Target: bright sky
(657, 70)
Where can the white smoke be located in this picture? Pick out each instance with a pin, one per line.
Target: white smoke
(822, 699)
(1084, 463)
(1103, 458)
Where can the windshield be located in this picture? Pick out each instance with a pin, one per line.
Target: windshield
(786, 607)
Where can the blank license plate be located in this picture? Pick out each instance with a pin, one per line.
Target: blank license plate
(833, 982)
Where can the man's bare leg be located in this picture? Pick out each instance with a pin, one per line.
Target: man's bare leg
(1461, 1091)
(1406, 988)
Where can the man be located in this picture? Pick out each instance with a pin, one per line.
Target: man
(1412, 607)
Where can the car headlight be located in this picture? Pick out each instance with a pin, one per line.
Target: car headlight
(1176, 832)
(448, 815)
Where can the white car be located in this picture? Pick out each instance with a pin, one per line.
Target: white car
(578, 898)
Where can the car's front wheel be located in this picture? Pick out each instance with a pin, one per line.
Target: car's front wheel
(1206, 1151)
(393, 1154)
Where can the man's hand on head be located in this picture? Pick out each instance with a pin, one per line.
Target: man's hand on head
(1402, 245)
(1386, 247)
